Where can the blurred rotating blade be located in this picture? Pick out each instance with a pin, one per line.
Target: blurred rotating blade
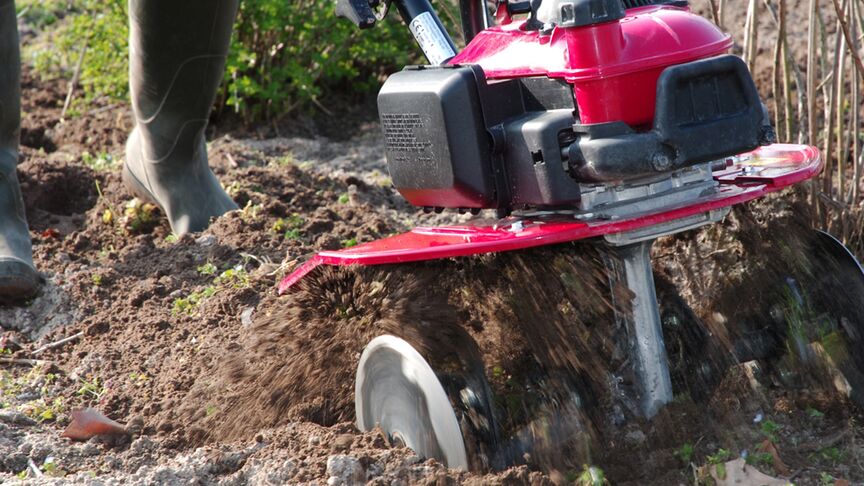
(839, 282)
(398, 390)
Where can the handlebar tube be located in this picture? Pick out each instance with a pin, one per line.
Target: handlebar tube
(428, 30)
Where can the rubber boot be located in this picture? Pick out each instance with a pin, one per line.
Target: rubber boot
(177, 52)
(18, 277)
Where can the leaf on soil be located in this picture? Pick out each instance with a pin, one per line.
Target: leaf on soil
(738, 473)
(779, 466)
(88, 422)
(50, 233)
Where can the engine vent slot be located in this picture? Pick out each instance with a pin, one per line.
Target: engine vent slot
(645, 3)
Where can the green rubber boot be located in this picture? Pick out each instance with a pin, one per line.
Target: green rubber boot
(18, 277)
(177, 53)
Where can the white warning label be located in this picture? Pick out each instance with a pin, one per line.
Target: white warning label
(431, 39)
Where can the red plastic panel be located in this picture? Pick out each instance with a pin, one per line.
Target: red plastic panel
(748, 177)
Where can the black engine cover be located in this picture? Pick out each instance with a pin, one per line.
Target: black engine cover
(438, 149)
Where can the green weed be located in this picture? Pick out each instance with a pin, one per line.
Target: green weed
(207, 269)
(188, 305)
(832, 455)
(770, 430)
(591, 476)
(42, 410)
(91, 388)
(289, 227)
(100, 162)
(760, 459)
(685, 453)
(250, 212)
(236, 277)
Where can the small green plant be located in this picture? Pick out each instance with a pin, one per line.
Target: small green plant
(138, 217)
(826, 479)
(250, 212)
(815, 414)
(236, 277)
(719, 457)
(96, 279)
(233, 189)
(188, 305)
(591, 476)
(770, 430)
(50, 468)
(172, 238)
(832, 455)
(207, 269)
(719, 460)
(44, 411)
(138, 378)
(344, 198)
(286, 160)
(289, 227)
(349, 243)
(100, 162)
(685, 453)
(91, 388)
(760, 459)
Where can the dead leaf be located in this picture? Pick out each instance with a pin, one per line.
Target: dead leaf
(738, 473)
(841, 482)
(88, 422)
(50, 233)
(779, 466)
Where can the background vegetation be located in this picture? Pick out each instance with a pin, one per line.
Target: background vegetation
(284, 54)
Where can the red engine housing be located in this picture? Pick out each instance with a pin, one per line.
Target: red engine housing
(613, 66)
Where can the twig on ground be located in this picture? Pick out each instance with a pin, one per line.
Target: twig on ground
(33, 467)
(57, 343)
(232, 161)
(24, 361)
(75, 77)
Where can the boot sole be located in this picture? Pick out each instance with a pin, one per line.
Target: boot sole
(18, 281)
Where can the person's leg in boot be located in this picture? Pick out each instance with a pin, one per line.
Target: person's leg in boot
(18, 276)
(177, 52)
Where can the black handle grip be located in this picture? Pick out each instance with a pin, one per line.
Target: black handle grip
(357, 11)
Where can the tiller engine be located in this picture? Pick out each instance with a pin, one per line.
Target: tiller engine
(614, 121)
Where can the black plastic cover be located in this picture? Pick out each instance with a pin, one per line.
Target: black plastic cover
(708, 109)
(580, 13)
(705, 110)
(438, 149)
